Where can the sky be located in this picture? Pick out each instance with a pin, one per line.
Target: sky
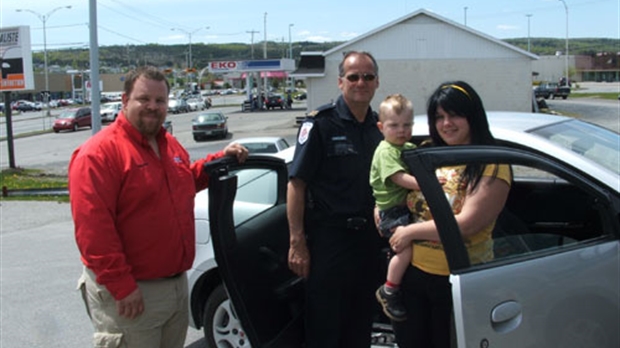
(139, 22)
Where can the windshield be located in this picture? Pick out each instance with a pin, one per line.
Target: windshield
(595, 143)
(108, 106)
(67, 114)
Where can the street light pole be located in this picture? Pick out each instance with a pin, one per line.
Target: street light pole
(566, 55)
(189, 35)
(290, 43)
(465, 14)
(252, 40)
(528, 31)
(43, 19)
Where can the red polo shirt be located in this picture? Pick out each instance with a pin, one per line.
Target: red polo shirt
(134, 211)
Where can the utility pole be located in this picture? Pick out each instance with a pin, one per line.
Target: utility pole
(265, 80)
(252, 32)
(566, 55)
(528, 31)
(465, 14)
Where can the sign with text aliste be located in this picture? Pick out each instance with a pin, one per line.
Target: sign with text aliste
(16, 59)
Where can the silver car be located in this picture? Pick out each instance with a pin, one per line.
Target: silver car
(109, 111)
(554, 280)
(263, 144)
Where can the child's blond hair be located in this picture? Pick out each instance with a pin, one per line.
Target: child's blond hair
(396, 103)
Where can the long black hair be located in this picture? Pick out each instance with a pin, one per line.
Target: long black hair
(459, 98)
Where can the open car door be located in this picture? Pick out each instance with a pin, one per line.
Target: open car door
(555, 276)
(253, 256)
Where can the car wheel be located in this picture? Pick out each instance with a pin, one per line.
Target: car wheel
(56, 131)
(552, 96)
(75, 127)
(220, 323)
(564, 97)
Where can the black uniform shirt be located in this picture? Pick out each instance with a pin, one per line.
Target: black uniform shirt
(333, 156)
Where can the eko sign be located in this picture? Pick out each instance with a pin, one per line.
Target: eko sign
(251, 65)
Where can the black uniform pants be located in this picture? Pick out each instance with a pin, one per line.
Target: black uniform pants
(346, 267)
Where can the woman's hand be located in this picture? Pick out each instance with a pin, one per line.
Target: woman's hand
(400, 239)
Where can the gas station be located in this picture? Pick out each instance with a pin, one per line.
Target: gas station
(253, 69)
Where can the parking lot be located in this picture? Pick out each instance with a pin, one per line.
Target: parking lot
(40, 263)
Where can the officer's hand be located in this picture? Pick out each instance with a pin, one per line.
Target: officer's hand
(131, 306)
(236, 150)
(299, 259)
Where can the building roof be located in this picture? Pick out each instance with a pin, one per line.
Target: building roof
(312, 64)
(424, 12)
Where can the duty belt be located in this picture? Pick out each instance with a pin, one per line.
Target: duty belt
(356, 222)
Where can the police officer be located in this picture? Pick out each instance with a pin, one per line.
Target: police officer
(334, 243)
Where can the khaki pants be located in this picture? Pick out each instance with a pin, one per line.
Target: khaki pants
(163, 323)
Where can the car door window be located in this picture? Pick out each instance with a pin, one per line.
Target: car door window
(546, 213)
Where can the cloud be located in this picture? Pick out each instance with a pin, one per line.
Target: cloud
(347, 35)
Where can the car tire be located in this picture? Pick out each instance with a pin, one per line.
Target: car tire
(56, 131)
(75, 127)
(220, 323)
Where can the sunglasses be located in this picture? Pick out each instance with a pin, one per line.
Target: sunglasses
(356, 77)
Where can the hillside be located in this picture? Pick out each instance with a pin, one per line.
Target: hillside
(175, 56)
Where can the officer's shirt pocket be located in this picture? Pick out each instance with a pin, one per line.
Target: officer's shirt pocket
(340, 146)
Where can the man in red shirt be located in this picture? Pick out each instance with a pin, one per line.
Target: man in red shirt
(132, 190)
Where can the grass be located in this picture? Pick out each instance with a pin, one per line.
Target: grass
(608, 96)
(31, 179)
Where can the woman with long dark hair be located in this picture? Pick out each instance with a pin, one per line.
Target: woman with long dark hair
(477, 194)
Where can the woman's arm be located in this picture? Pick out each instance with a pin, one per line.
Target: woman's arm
(480, 209)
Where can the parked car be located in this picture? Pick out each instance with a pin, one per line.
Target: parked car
(209, 124)
(196, 104)
(109, 111)
(275, 101)
(177, 106)
(551, 90)
(301, 96)
(553, 281)
(73, 119)
(23, 106)
(263, 144)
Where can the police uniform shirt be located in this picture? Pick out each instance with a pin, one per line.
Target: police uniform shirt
(333, 156)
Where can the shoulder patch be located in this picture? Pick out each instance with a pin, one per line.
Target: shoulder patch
(304, 132)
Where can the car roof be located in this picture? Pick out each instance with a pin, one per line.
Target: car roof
(257, 140)
(517, 127)
(502, 120)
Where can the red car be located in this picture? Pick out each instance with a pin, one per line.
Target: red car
(72, 119)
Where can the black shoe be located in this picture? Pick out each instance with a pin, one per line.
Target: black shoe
(392, 306)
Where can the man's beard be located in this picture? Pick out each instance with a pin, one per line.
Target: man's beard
(147, 126)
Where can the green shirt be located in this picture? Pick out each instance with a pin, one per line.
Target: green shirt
(385, 163)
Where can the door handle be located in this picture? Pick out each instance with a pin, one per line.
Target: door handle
(506, 316)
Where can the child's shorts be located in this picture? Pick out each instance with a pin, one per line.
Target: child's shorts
(392, 218)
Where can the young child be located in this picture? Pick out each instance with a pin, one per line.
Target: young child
(391, 183)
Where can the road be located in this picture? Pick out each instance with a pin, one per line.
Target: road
(39, 306)
(59, 146)
(605, 113)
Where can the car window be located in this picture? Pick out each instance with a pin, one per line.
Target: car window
(544, 213)
(67, 114)
(587, 140)
(257, 191)
(261, 147)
